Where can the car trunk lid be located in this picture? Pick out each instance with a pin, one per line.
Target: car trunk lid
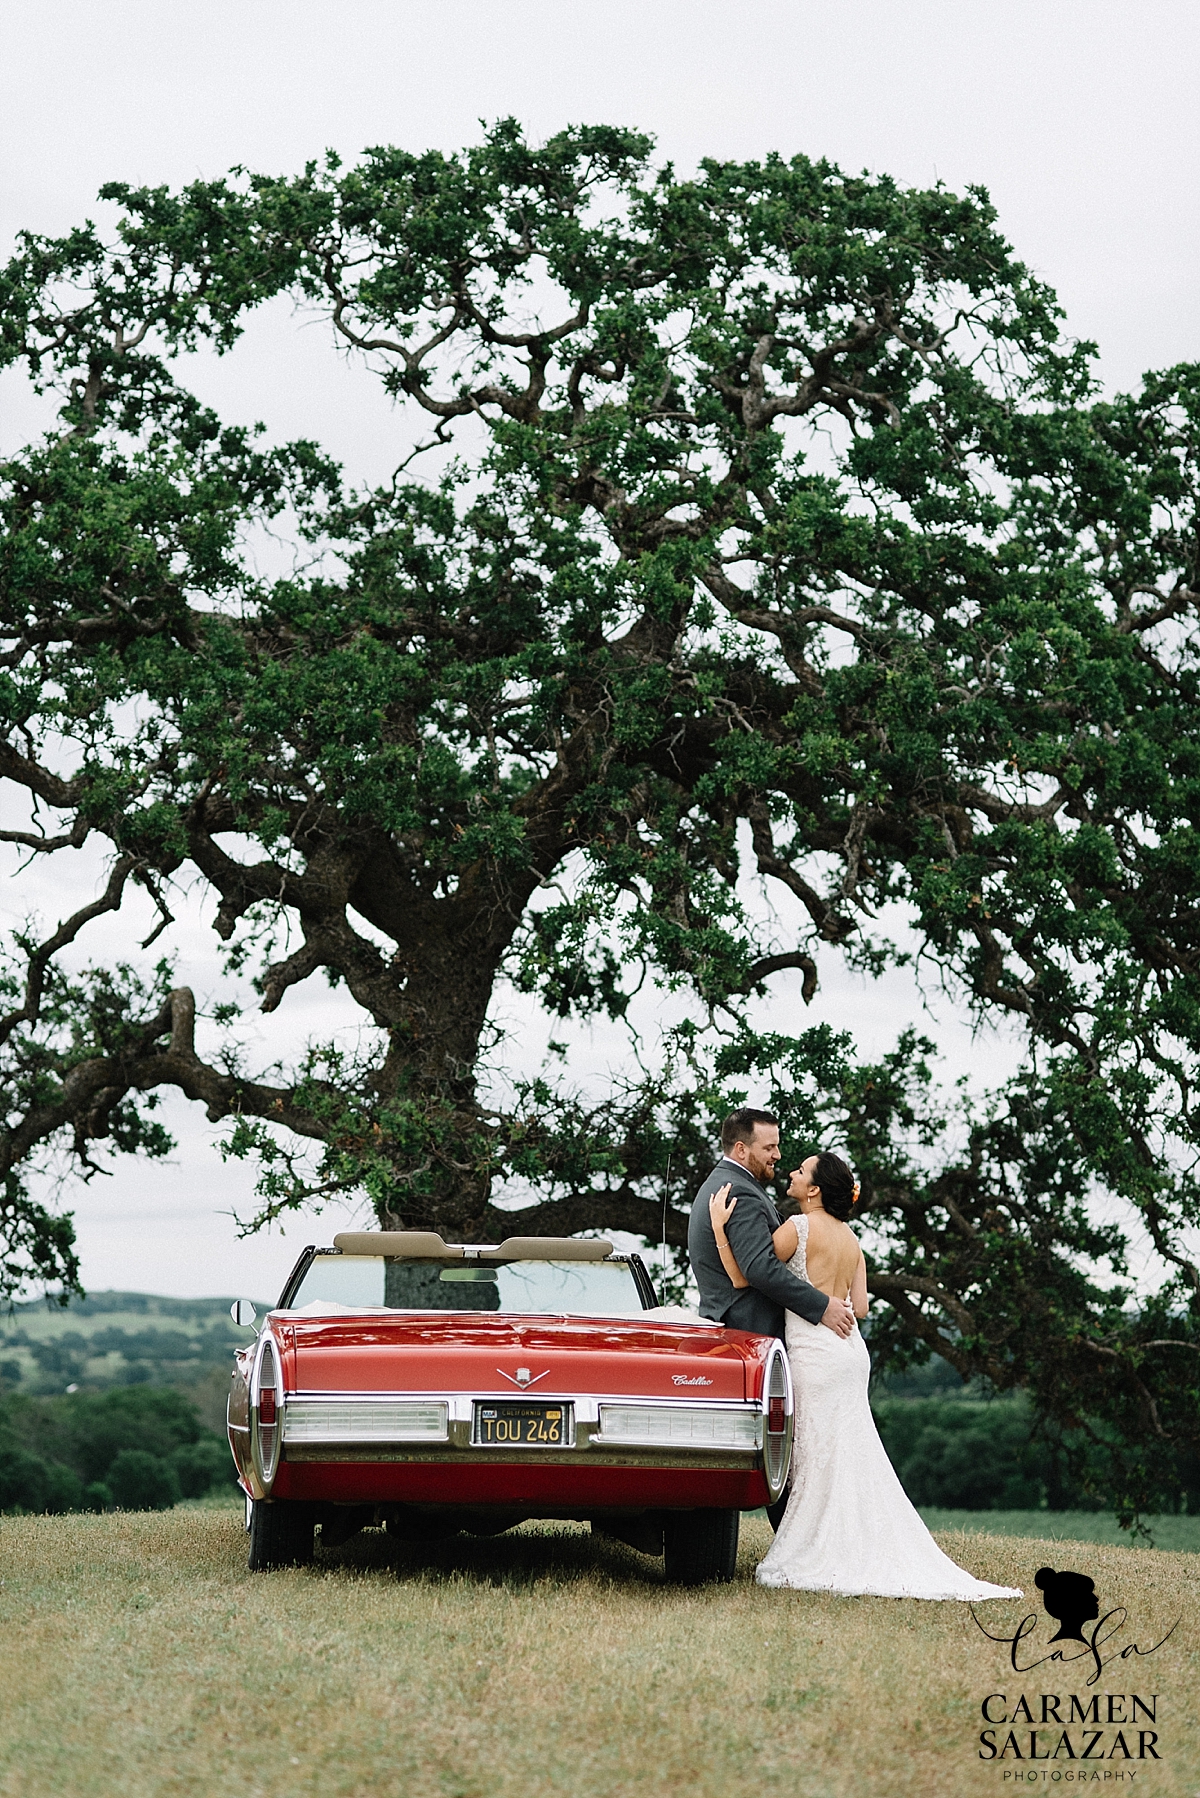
(437, 1352)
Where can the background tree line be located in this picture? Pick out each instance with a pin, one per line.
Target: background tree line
(133, 1448)
(116, 1401)
(145, 1446)
(773, 531)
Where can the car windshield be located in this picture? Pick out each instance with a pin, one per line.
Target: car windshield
(376, 1282)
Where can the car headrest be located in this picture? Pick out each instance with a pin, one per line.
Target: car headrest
(421, 1245)
(547, 1248)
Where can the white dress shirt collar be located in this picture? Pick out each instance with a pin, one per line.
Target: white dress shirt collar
(742, 1169)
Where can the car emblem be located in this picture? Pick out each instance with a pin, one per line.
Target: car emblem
(522, 1377)
(695, 1379)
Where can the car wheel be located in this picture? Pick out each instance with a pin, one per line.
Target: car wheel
(281, 1534)
(700, 1546)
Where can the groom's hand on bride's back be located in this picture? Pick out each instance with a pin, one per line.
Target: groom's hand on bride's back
(839, 1317)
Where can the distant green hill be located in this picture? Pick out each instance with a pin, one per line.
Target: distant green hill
(114, 1339)
(115, 1399)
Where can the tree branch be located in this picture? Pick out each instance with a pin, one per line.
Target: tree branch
(774, 964)
(39, 961)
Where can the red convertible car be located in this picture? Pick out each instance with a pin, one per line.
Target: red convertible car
(434, 1388)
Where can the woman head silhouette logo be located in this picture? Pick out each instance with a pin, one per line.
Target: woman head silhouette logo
(1070, 1598)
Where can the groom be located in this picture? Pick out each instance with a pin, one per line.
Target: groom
(749, 1151)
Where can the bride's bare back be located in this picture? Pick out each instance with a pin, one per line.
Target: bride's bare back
(832, 1254)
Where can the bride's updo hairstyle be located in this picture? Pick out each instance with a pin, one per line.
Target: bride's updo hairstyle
(837, 1185)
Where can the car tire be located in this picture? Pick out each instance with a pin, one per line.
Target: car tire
(281, 1534)
(700, 1546)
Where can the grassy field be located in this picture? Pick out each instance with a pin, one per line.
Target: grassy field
(140, 1658)
(1068, 1526)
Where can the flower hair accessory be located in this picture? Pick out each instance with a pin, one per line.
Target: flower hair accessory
(854, 1200)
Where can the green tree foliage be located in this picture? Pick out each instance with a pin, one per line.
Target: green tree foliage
(29, 1483)
(976, 1454)
(971, 1456)
(142, 1482)
(138, 1448)
(781, 532)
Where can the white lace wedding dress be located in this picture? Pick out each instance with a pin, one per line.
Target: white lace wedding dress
(849, 1526)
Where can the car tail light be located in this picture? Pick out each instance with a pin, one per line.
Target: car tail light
(266, 1399)
(777, 1415)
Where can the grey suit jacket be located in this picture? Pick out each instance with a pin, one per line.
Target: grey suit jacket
(772, 1290)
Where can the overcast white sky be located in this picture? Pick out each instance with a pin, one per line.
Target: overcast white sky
(1080, 119)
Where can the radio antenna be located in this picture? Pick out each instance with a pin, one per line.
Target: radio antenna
(666, 1190)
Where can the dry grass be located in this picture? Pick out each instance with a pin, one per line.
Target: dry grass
(140, 1658)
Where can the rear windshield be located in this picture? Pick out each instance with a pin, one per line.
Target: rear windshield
(373, 1282)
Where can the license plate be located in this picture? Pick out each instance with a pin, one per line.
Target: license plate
(512, 1425)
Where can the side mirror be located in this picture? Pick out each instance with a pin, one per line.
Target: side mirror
(242, 1312)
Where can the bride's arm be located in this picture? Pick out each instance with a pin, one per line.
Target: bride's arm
(858, 1288)
(720, 1210)
(786, 1239)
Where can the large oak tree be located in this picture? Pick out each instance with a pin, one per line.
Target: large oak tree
(772, 525)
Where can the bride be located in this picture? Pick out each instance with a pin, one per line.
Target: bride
(849, 1527)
